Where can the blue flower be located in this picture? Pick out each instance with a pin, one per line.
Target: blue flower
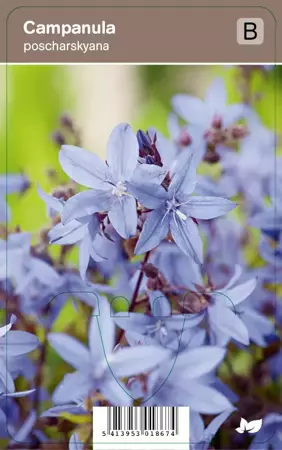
(13, 344)
(14, 252)
(200, 437)
(24, 432)
(200, 112)
(272, 254)
(227, 321)
(175, 208)
(255, 162)
(185, 385)
(161, 325)
(16, 429)
(115, 258)
(30, 275)
(108, 181)
(9, 184)
(269, 219)
(53, 298)
(83, 232)
(100, 367)
(224, 250)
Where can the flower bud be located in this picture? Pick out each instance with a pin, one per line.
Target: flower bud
(144, 143)
(58, 138)
(66, 121)
(211, 156)
(194, 303)
(184, 138)
(239, 132)
(217, 122)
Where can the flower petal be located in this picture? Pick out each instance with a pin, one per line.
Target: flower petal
(5, 377)
(184, 176)
(216, 96)
(173, 126)
(70, 349)
(216, 423)
(19, 394)
(68, 234)
(101, 332)
(87, 246)
(239, 293)
(6, 328)
(257, 325)
(123, 216)
(176, 321)
(44, 272)
(26, 428)
(11, 183)
(149, 173)
(160, 306)
(150, 195)
(51, 202)
(235, 277)
(122, 152)
(233, 113)
(199, 361)
(187, 237)
(208, 207)
(18, 342)
(205, 399)
(83, 167)
(137, 360)
(190, 108)
(197, 427)
(56, 411)
(116, 392)
(86, 203)
(74, 386)
(229, 323)
(155, 229)
(135, 322)
(75, 443)
(84, 255)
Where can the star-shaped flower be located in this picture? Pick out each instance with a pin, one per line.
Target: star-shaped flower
(101, 367)
(174, 209)
(212, 113)
(108, 180)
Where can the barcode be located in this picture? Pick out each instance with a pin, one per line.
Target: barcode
(142, 418)
(141, 427)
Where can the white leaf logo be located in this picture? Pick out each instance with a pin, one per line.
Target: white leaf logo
(251, 427)
(254, 426)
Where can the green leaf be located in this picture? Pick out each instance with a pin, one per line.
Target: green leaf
(81, 419)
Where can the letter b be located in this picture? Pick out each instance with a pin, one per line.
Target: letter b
(250, 31)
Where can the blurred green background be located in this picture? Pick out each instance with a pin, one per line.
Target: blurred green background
(97, 97)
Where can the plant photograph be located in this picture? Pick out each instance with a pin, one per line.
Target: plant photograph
(141, 253)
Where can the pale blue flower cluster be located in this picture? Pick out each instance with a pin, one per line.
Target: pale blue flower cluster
(168, 241)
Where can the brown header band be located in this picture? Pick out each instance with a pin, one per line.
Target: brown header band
(141, 33)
